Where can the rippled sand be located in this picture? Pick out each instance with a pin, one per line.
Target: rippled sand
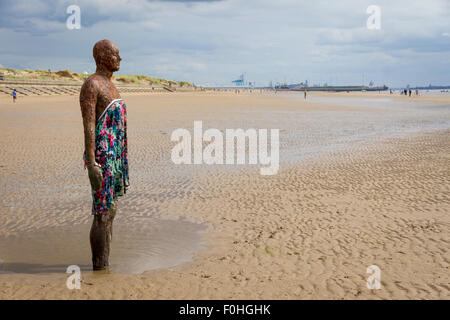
(360, 183)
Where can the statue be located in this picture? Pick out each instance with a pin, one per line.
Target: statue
(105, 140)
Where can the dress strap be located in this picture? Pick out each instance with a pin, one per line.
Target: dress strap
(109, 105)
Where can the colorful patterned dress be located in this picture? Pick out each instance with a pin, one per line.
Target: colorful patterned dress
(111, 154)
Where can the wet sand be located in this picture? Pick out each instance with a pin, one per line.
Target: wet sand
(360, 183)
(424, 95)
(152, 244)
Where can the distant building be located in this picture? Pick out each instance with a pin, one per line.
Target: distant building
(239, 82)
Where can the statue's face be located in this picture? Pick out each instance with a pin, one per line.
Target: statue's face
(114, 58)
(107, 55)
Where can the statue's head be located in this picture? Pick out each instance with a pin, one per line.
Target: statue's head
(106, 54)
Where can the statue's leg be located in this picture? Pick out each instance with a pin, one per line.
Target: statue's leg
(98, 241)
(101, 237)
(109, 228)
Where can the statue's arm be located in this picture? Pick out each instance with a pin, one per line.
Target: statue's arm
(88, 102)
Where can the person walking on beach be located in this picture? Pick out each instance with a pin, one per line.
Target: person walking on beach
(305, 94)
(105, 139)
(14, 95)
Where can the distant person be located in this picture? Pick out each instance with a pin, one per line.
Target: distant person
(409, 92)
(417, 92)
(14, 95)
(305, 94)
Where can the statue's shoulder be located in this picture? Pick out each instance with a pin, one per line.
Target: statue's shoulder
(93, 80)
(91, 83)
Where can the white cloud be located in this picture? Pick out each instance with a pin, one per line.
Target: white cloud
(216, 41)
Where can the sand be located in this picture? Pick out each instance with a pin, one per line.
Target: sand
(424, 95)
(359, 184)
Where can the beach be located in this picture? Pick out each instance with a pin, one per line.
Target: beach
(364, 180)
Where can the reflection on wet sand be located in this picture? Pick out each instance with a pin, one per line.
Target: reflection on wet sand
(149, 244)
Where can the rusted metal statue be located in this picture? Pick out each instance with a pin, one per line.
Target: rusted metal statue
(105, 139)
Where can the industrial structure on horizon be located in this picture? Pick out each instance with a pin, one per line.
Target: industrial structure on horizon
(239, 82)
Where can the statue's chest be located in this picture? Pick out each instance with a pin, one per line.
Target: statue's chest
(108, 94)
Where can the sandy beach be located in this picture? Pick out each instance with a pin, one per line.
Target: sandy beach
(364, 180)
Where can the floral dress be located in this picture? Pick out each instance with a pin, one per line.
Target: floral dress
(112, 156)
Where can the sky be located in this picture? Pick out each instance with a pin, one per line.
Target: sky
(212, 42)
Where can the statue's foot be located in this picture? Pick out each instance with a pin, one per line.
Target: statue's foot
(98, 263)
(98, 268)
(102, 271)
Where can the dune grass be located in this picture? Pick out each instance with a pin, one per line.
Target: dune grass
(67, 75)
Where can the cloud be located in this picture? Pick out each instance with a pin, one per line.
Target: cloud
(215, 41)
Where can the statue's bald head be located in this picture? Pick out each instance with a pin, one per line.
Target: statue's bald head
(106, 54)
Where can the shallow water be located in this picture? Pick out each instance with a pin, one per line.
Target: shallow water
(311, 133)
(146, 245)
